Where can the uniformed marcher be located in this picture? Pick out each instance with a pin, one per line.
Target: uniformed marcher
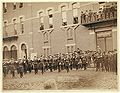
(35, 68)
(90, 16)
(104, 12)
(82, 17)
(71, 64)
(106, 62)
(36, 65)
(94, 16)
(76, 62)
(24, 65)
(83, 59)
(67, 65)
(29, 65)
(42, 67)
(13, 70)
(50, 63)
(112, 10)
(86, 16)
(4, 70)
(98, 62)
(21, 70)
(59, 64)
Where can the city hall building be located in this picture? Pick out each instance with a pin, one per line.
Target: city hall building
(46, 28)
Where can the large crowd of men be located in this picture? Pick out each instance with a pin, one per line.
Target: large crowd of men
(107, 12)
(103, 61)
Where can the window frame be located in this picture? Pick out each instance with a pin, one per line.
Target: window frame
(41, 20)
(22, 25)
(50, 17)
(64, 12)
(75, 16)
(15, 25)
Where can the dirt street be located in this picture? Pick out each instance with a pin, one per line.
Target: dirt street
(89, 79)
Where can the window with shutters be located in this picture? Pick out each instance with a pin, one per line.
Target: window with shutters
(15, 26)
(21, 25)
(41, 20)
(50, 16)
(75, 13)
(64, 16)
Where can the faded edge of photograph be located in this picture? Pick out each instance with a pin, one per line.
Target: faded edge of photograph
(59, 46)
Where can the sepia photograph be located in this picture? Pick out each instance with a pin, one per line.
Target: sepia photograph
(59, 45)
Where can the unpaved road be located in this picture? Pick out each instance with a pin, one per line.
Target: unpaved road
(89, 79)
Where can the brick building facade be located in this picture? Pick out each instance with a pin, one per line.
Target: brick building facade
(55, 27)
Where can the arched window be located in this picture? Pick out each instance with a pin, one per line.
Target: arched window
(14, 52)
(41, 20)
(21, 25)
(5, 53)
(75, 12)
(50, 16)
(64, 15)
(15, 26)
(24, 51)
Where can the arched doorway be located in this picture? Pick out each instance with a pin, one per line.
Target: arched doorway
(23, 51)
(14, 52)
(6, 53)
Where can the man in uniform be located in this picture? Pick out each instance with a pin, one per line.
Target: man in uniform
(24, 65)
(94, 16)
(35, 65)
(83, 59)
(86, 16)
(82, 17)
(21, 69)
(67, 65)
(90, 16)
(29, 65)
(13, 70)
(99, 15)
(42, 67)
(112, 10)
(50, 63)
(4, 69)
(106, 61)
